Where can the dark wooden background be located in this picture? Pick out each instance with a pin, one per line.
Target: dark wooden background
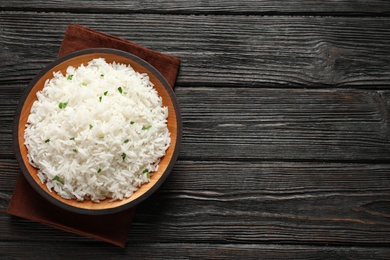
(286, 115)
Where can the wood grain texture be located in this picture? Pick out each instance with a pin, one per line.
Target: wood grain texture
(340, 7)
(286, 115)
(250, 202)
(271, 124)
(9, 169)
(270, 203)
(256, 51)
(194, 251)
(288, 124)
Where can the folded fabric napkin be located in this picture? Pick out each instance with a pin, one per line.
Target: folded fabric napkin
(27, 203)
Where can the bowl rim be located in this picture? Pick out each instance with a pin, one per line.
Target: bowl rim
(119, 208)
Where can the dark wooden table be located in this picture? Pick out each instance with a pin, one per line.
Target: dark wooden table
(286, 115)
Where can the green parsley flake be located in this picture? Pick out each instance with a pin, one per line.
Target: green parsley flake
(105, 93)
(146, 127)
(132, 123)
(126, 141)
(90, 126)
(69, 77)
(101, 75)
(100, 99)
(72, 138)
(99, 171)
(146, 171)
(47, 140)
(84, 84)
(123, 155)
(62, 105)
(120, 90)
(56, 178)
(75, 150)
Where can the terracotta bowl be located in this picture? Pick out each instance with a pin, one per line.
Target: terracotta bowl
(76, 59)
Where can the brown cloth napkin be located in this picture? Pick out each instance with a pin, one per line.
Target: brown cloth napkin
(78, 38)
(27, 203)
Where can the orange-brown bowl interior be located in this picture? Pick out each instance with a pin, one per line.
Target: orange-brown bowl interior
(166, 163)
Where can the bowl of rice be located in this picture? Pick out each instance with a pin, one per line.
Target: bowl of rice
(97, 131)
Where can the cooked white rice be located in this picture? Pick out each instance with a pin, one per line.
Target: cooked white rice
(98, 132)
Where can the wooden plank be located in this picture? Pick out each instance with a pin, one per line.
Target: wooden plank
(266, 203)
(287, 124)
(341, 7)
(189, 251)
(256, 203)
(9, 170)
(258, 51)
(296, 171)
(269, 124)
(9, 97)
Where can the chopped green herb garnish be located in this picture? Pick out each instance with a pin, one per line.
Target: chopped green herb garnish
(47, 140)
(56, 178)
(75, 150)
(105, 93)
(84, 84)
(125, 93)
(72, 138)
(132, 123)
(120, 90)
(69, 77)
(146, 171)
(100, 99)
(90, 126)
(101, 75)
(123, 155)
(126, 141)
(99, 171)
(62, 105)
(146, 127)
